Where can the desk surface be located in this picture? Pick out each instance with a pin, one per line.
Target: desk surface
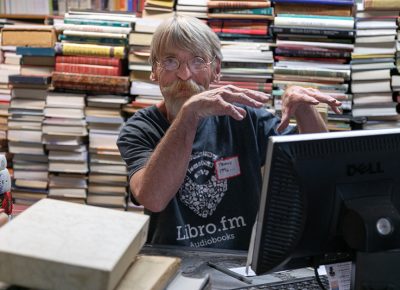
(194, 264)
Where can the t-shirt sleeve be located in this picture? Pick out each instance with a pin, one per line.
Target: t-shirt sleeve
(136, 143)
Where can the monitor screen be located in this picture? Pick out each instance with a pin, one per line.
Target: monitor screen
(326, 197)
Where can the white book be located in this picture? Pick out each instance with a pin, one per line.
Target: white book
(371, 98)
(382, 74)
(375, 39)
(371, 86)
(377, 24)
(378, 32)
(49, 243)
(314, 22)
(315, 44)
(95, 34)
(145, 88)
(93, 28)
(193, 2)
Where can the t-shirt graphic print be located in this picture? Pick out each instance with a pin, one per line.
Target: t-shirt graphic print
(201, 190)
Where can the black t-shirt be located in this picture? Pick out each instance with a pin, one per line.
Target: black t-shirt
(218, 200)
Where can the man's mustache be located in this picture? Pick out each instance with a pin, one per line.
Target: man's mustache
(180, 85)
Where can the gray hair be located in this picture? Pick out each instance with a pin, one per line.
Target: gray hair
(185, 33)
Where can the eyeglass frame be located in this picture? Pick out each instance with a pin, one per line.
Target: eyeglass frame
(206, 64)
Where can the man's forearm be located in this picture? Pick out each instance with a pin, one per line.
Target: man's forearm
(156, 184)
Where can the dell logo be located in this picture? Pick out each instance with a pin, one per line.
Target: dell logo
(364, 168)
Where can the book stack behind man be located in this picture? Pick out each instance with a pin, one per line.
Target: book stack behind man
(10, 65)
(243, 28)
(143, 90)
(314, 40)
(35, 45)
(373, 63)
(91, 60)
(65, 136)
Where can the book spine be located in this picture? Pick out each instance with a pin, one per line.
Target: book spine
(88, 69)
(311, 53)
(79, 21)
(238, 4)
(311, 31)
(381, 5)
(94, 34)
(90, 79)
(21, 79)
(89, 60)
(314, 22)
(317, 9)
(90, 87)
(333, 2)
(94, 28)
(90, 50)
(256, 11)
(311, 72)
(35, 51)
(245, 31)
(89, 40)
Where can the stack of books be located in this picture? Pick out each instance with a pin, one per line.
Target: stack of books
(66, 134)
(92, 60)
(144, 91)
(373, 61)
(247, 64)
(108, 173)
(29, 91)
(236, 20)
(314, 41)
(196, 9)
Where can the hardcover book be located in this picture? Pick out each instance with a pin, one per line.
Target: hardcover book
(50, 247)
(28, 35)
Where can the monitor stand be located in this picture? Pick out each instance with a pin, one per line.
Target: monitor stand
(376, 271)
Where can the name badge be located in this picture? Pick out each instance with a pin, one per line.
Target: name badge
(227, 168)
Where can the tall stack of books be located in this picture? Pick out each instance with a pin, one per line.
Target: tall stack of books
(313, 47)
(243, 27)
(93, 60)
(247, 65)
(65, 136)
(108, 173)
(373, 61)
(144, 91)
(29, 90)
(10, 65)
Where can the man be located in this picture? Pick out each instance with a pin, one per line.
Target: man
(194, 160)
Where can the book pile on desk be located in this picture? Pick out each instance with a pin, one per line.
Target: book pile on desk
(62, 245)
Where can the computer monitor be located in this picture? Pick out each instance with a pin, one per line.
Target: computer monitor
(331, 197)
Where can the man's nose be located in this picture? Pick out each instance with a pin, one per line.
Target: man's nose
(184, 72)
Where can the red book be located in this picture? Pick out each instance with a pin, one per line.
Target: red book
(109, 61)
(88, 69)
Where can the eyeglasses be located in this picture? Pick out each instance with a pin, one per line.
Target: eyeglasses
(195, 64)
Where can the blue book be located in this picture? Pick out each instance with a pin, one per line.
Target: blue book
(33, 80)
(35, 51)
(331, 2)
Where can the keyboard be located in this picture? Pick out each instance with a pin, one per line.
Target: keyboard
(307, 283)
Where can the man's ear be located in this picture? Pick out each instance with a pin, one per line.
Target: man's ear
(153, 77)
(153, 74)
(217, 71)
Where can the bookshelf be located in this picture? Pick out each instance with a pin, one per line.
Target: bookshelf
(270, 67)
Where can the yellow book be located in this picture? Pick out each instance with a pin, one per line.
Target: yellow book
(90, 50)
(161, 3)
